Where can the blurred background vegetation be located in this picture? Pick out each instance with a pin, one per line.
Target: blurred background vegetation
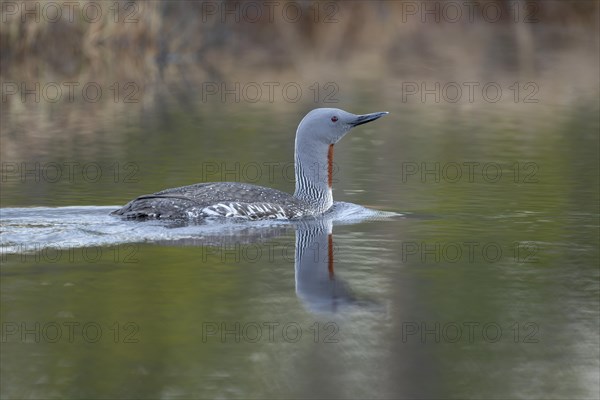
(169, 49)
(154, 41)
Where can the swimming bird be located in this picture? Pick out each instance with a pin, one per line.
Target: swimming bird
(316, 135)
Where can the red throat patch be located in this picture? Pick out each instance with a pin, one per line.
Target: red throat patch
(330, 166)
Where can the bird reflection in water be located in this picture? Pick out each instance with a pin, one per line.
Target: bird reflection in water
(317, 286)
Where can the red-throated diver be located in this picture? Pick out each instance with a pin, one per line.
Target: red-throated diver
(318, 131)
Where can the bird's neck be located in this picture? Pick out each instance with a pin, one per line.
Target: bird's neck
(314, 175)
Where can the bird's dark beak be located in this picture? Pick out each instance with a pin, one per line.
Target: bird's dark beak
(363, 119)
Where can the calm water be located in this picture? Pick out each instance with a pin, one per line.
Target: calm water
(482, 284)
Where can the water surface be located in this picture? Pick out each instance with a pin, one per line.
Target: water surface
(485, 286)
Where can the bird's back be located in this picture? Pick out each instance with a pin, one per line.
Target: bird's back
(225, 199)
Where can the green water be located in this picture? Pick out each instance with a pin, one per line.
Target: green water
(486, 288)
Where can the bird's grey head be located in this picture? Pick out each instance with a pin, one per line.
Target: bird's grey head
(329, 125)
(318, 131)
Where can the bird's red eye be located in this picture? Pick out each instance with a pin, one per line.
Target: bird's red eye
(334, 118)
